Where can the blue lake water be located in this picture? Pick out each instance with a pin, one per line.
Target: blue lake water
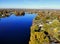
(15, 29)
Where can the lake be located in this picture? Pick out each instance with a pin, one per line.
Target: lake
(16, 29)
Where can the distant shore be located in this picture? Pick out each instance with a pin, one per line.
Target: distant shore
(7, 12)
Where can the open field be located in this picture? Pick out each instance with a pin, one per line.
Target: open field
(46, 28)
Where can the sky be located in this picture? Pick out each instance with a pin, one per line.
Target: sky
(32, 4)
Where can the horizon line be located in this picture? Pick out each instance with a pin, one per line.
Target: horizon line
(29, 8)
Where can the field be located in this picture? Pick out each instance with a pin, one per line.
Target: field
(46, 28)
